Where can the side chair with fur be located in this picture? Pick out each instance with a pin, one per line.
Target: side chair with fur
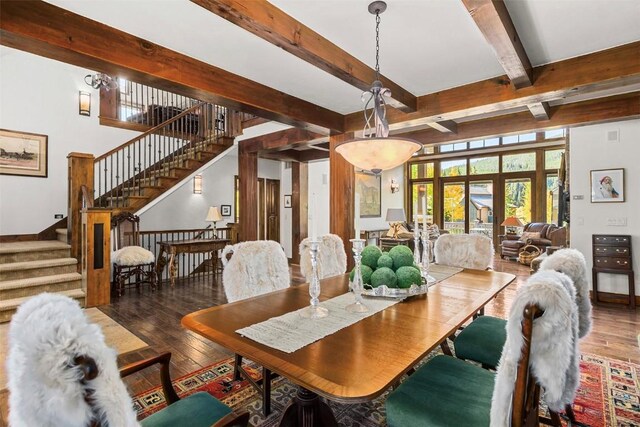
(62, 374)
(464, 250)
(332, 259)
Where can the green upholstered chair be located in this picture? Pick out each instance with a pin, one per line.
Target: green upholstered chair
(196, 410)
(482, 341)
(447, 391)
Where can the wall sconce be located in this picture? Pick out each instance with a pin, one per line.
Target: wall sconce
(84, 103)
(197, 184)
(395, 187)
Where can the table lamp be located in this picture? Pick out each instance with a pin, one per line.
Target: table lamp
(511, 223)
(214, 216)
(395, 216)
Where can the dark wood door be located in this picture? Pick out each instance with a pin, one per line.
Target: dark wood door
(272, 209)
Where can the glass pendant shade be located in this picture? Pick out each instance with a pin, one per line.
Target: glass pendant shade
(378, 154)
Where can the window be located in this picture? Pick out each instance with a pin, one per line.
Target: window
(418, 191)
(482, 165)
(446, 148)
(553, 197)
(476, 144)
(526, 137)
(422, 170)
(127, 110)
(460, 146)
(552, 158)
(519, 162)
(491, 142)
(513, 139)
(556, 133)
(453, 167)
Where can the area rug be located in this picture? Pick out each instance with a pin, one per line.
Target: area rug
(115, 335)
(609, 395)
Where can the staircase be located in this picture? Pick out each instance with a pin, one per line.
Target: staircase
(30, 268)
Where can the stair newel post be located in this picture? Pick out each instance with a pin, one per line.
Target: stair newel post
(96, 256)
(80, 173)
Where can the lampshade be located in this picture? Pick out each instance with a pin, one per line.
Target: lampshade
(378, 153)
(213, 214)
(512, 221)
(84, 101)
(396, 215)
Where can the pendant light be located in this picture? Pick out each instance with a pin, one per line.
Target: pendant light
(376, 150)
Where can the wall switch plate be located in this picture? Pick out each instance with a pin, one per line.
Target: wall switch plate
(58, 216)
(613, 136)
(578, 197)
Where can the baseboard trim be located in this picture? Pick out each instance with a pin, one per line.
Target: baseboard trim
(608, 297)
(9, 238)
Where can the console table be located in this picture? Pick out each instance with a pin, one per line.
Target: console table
(373, 234)
(612, 254)
(187, 246)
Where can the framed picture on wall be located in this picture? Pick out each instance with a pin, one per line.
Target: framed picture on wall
(607, 186)
(287, 200)
(23, 153)
(225, 210)
(369, 186)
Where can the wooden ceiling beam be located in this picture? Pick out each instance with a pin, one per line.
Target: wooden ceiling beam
(612, 68)
(493, 20)
(295, 155)
(47, 30)
(254, 122)
(281, 140)
(620, 107)
(540, 110)
(273, 25)
(445, 126)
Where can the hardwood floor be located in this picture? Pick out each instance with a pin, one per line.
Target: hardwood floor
(155, 318)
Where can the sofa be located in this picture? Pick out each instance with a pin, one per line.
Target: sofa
(539, 234)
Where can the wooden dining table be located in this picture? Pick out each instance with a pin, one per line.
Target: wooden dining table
(361, 361)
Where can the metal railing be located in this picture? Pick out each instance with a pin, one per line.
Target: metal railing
(138, 165)
(186, 263)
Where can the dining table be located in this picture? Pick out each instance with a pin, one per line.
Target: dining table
(361, 361)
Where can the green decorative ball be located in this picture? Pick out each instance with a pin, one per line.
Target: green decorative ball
(385, 252)
(384, 276)
(370, 256)
(402, 256)
(366, 274)
(385, 261)
(408, 276)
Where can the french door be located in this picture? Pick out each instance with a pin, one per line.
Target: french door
(519, 197)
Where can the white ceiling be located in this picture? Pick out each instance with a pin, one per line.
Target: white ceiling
(426, 45)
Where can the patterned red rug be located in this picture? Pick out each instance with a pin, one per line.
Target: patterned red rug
(609, 395)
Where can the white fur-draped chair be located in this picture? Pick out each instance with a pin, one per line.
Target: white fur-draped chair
(255, 268)
(473, 251)
(46, 335)
(332, 259)
(543, 327)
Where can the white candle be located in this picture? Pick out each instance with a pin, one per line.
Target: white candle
(356, 216)
(312, 225)
(424, 212)
(415, 216)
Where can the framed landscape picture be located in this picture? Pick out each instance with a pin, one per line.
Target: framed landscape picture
(23, 153)
(370, 189)
(607, 185)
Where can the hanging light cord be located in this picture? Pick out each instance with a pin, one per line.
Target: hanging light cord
(377, 45)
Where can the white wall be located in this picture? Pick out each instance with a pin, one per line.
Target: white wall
(318, 182)
(389, 200)
(38, 95)
(286, 215)
(590, 150)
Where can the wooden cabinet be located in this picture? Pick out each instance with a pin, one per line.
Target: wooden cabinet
(612, 254)
(373, 235)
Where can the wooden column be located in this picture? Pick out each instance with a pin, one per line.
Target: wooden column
(96, 256)
(80, 172)
(248, 187)
(109, 101)
(341, 195)
(299, 206)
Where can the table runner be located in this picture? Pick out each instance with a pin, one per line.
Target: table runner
(291, 332)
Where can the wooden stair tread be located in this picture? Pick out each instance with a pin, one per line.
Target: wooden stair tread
(10, 304)
(29, 265)
(39, 281)
(32, 246)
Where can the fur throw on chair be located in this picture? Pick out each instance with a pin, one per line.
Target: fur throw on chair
(332, 259)
(555, 355)
(46, 334)
(255, 268)
(464, 250)
(132, 255)
(572, 263)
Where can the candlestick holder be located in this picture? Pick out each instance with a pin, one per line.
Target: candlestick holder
(357, 285)
(416, 245)
(314, 311)
(426, 258)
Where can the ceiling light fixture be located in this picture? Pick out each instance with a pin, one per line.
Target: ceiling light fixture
(99, 80)
(376, 150)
